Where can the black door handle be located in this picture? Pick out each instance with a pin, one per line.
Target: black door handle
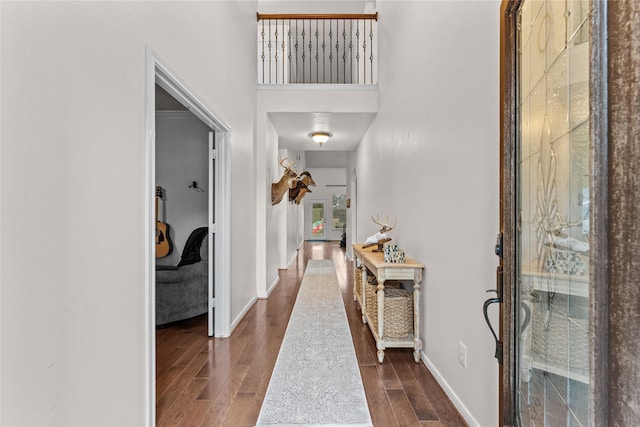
(487, 303)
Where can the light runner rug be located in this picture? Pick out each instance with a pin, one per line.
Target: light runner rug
(316, 380)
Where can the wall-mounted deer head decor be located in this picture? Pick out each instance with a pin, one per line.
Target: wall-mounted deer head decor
(297, 191)
(278, 189)
(300, 187)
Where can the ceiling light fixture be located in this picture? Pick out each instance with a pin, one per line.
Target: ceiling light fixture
(320, 137)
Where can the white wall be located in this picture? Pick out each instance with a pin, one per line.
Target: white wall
(352, 196)
(431, 159)
(73, 178)
(275, 214)
(295, 218)
(283, 236)
(182, 153)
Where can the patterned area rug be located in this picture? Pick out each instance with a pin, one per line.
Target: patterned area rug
(316, 380)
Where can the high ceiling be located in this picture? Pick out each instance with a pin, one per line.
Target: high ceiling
(347, 129)
(293, 129)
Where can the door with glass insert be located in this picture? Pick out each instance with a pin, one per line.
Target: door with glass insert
(550, 232)
(318, 219)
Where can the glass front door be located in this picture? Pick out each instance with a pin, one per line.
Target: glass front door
(318, 220)
(552, 157)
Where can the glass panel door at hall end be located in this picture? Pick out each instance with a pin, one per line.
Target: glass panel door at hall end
(318, 220)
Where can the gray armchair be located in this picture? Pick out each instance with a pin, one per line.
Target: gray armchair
(181, 291)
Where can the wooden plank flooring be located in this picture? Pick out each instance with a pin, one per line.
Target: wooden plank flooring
(202, 381)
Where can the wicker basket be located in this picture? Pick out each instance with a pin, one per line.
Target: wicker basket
(371, 300)
(563, 341)
(371, 303)
(398, 313)
(358, 281)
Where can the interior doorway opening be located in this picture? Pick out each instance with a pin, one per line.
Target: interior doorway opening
(216, 229)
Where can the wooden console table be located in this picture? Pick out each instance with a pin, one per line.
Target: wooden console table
(373, 263)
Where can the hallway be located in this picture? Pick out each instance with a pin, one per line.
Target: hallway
(202, 381)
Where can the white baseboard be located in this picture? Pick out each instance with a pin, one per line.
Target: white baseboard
(450, 393)
(241, 315)
(273, 285)
(293, 258)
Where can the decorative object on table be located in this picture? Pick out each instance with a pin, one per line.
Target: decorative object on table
(566, 255)
(393, 254)
(280, 188)
(164, 246)
(380, 238)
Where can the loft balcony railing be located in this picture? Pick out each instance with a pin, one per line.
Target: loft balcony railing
(317, 49)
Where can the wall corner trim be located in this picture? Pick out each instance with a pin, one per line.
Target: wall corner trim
(449, 391)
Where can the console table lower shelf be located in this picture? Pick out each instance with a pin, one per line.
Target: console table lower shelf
(371, 299)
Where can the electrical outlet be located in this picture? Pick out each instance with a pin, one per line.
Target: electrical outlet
(462, 354)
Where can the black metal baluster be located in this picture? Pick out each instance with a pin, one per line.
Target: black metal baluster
(310, 53)
(324, 46)
(297, 69)
(371, 57)
(317, 57)
(351, 49)
(269, 45)
(262, 52)
(358, 49)
(276, 54)
(364, 52)
(290, 71)
(337, 52)
(344, 51)
(283, 53)
(330, 51)
(303, 55)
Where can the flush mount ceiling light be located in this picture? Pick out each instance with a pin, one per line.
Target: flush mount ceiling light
(320, 137)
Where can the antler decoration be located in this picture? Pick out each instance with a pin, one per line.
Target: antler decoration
(385, 226)
(381, 236)
(289, 166)
(278, 189)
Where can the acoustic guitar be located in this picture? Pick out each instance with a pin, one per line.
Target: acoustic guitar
(164, 246)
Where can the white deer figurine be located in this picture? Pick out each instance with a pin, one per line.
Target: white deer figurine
(381, 235)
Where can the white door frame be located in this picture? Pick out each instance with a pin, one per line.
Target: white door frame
(157, 71)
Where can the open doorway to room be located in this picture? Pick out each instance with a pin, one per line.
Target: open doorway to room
(182, 215)
(188, 208)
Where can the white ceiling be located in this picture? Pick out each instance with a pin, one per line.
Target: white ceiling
(347, 129)
(293, 129)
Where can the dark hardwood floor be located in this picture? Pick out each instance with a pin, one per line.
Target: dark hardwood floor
(202, 381)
